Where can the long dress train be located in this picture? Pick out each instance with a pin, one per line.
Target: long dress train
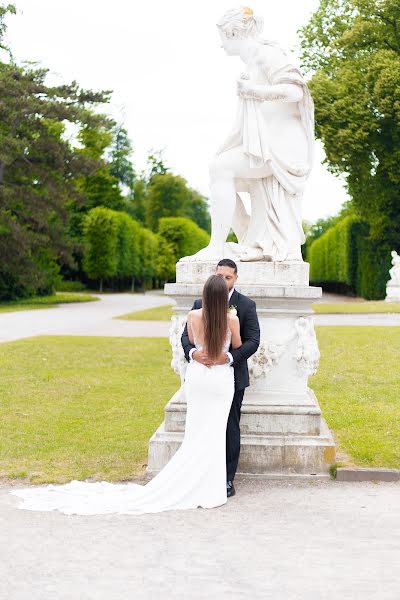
(194, 477)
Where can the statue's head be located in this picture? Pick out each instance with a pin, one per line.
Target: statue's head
(237, 26)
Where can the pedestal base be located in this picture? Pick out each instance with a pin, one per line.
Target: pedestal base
(392, 292)
(260, 414)
(260, 453)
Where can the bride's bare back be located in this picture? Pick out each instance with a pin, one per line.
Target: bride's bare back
(195, 325)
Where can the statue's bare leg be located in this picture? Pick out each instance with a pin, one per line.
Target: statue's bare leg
(224, 169)
(223, 201)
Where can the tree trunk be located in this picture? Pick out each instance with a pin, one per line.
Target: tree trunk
(101, 285)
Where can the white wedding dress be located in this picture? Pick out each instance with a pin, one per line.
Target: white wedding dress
(194, 477)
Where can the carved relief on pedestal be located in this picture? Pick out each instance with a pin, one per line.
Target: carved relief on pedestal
(307, 353)
(178, 362)
(267, 355)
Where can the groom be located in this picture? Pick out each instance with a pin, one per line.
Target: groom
(250, 334)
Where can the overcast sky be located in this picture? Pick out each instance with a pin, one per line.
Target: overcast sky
(173, 86)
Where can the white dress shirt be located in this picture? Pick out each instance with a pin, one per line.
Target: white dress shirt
(228, 353)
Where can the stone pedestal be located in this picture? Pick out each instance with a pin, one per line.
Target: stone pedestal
(393, 291)
(282, 429)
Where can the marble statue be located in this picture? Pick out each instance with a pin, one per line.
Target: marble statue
(394, 272)
(269, 153)
(393, 285)
(267, 156)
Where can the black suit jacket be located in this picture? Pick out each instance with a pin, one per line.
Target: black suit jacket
(249, 332)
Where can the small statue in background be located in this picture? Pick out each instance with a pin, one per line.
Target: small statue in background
(393, 285)
(395, 270)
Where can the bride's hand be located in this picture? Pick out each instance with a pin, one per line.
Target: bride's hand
(202, 357)
(222, 359)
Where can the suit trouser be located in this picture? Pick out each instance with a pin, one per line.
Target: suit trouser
(233, 435)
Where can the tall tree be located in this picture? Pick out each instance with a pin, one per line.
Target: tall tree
(121, 166)
(135, 203)
(155, 165)
(101, 244)
(99, 186)
(5, 9)
(352, 47)
(39, 169)
(198, 211)
(167, 196)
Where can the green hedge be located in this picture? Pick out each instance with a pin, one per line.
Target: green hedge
(119, 248)
(149, 256)
(345, 259)
(374, 262)
(182, 235)
(101, 258)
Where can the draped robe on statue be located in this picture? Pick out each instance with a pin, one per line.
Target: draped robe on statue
(279, 135)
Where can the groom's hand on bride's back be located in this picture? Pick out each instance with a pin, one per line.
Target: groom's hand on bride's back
(203, 358)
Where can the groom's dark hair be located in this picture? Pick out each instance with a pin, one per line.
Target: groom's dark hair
(227, 262)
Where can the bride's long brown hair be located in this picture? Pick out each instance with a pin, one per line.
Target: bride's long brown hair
(215, 315)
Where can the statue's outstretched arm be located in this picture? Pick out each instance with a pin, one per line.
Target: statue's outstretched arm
(285, 92)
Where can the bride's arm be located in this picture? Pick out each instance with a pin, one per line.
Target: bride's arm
(187, 345)
(190, 328)
(234, 326)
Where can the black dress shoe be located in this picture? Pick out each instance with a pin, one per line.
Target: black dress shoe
(230, 490)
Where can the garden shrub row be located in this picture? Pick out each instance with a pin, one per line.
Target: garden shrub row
(345, 259)
(118, 247)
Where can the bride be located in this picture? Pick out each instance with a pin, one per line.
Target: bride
(196, 474)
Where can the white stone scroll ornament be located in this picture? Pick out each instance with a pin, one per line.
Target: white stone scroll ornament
(306, 353)
(178, 362)
(268, 354)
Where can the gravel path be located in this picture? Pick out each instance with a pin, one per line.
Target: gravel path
(96, 318)
(277, 540)
(86, 318)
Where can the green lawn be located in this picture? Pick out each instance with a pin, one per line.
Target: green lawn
(159, 313)
(45, 301)
(367, 306)
(78, 407)
(358, 388)
(164, 313)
